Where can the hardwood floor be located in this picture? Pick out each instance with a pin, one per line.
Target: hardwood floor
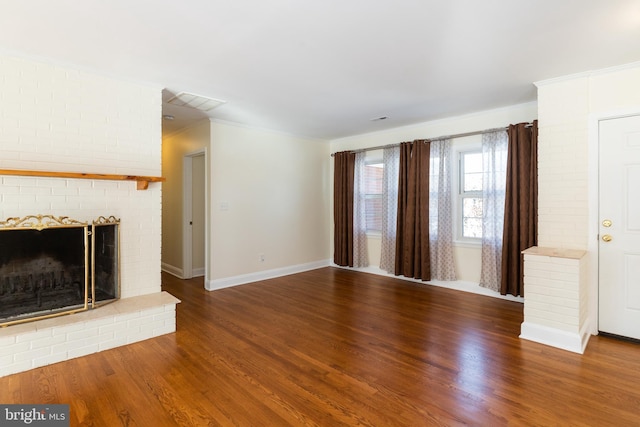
(333, 347)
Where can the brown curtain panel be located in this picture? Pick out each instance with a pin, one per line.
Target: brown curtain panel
(521, 205)
(344, 166)
(412, 236)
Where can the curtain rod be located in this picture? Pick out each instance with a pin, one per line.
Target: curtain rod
(457, 135)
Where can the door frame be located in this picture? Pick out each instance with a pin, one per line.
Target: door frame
(187, 191)
(594, 207)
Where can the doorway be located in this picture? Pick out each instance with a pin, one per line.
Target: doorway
(619, 226)
(194, 214)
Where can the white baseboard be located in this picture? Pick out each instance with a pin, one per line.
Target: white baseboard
(458, 285)
(174, 271)
(227, 282)
(179, 273)
(570, 341)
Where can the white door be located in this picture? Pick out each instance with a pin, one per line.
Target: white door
(619, 228)
(197, 215)
(193, 212)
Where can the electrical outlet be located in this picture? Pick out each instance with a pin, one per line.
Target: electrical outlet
(261, 257)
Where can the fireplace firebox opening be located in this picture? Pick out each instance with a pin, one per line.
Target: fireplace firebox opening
(51, 266)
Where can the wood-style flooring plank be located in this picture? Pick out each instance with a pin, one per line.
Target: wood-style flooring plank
(333, 347)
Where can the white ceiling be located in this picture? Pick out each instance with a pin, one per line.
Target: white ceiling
(326, 68)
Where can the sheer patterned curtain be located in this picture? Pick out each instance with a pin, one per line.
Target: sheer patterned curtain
(440, 212)
(494, 178)
(391, 161)
(360, 254)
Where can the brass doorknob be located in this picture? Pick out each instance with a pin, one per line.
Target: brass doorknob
(606, 223)
(606, 238)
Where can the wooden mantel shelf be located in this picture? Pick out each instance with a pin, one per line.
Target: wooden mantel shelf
(142, 181)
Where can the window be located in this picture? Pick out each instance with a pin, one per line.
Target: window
(470, 195)
(373, 196)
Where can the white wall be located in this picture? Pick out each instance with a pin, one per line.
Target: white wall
(60, 119)
(467, 257)
(174, 148)
(270, 195)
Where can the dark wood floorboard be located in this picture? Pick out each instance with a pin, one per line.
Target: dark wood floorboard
(333, 347)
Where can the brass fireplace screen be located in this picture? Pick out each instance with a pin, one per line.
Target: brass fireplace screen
(50, 266)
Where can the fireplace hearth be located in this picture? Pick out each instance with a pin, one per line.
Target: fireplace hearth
(51, 266)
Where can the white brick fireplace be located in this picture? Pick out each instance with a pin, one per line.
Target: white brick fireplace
(61, 119)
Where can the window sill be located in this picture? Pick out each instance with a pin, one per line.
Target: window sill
(467, 244)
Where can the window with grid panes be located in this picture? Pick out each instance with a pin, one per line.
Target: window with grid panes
(373, 196)
(470, 194)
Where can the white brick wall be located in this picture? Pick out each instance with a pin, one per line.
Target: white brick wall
(584, 290)
(60, 119)
(552, 292)
(564, 109)
(555, 303)
(563, 165)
